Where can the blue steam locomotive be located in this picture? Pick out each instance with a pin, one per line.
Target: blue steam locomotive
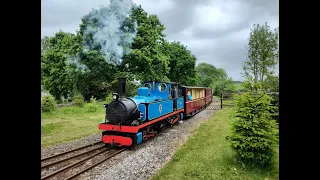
(131, 120)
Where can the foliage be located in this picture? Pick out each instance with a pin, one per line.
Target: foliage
(55, 78)
(147, 59)
(254, 132)
(209, 74)
(92, 106)
(45, 44)
(95, 80)
(181, 63)
(262, 53)
(78, 100)
(223, 86)
(272, 84)
(131, 87)
(48, 104)
(104, 45)
(250, 85)
(93, 100)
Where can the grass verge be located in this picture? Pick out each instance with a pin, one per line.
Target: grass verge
(69, 123)
(208, 155)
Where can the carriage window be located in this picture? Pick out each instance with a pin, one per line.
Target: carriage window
(147, 85)
(162, 87)
(170, 91)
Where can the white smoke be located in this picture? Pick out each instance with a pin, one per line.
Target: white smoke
(74, 61)
(114, 42)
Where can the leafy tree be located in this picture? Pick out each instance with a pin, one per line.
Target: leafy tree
(147, 60)
(209, 74)
(94, 68)
(254, 133)
(181, 63)
(44, 44)
(94, 81)
(262, 54)
(55, 78)
(223, 86)
(272, 83)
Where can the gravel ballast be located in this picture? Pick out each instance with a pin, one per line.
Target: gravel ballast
(147, 159)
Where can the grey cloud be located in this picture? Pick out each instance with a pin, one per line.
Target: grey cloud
(247, 13)
(64, 12)
(179, 16)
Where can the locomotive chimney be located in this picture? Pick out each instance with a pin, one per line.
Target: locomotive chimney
(122, 86)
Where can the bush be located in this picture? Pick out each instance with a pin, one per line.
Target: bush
(93, 106)
(48, 104)
(254, 132)
(222, 86)
(275, 102)
(93, 100)
(78, 100)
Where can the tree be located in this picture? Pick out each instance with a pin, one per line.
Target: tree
(44, 44)
(181, 63)
(262, 53)
(146, 59)
(254, 132)
(107, 34)
(95, 80)
(55, 78)
(224, 85)
(209, 74)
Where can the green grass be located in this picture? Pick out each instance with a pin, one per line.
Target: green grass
(69, 123)
(208, 155)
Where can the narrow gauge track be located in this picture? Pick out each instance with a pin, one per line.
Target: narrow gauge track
(70, 151)
(78, 164)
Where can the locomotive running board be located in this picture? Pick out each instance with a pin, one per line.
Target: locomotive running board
(134, 129)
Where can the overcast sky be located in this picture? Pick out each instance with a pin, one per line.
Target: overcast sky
(216, 31)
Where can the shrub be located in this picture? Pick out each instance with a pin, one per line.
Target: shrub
(93, 106)
(78, 100)
(275, 102)
(48, 104)
(93, 100)
(254, 132)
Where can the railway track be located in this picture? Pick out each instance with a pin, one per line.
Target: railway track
(74, 163)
